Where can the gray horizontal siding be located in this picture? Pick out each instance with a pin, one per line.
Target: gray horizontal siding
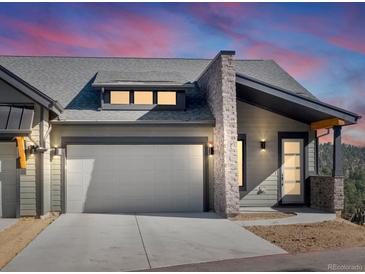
(262, 166)
(27, 180)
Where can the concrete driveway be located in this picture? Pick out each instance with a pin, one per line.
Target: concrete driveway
(112, 242)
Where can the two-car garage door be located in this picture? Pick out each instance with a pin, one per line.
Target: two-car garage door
(134, 178)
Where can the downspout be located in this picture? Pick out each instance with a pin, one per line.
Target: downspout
(39, 199)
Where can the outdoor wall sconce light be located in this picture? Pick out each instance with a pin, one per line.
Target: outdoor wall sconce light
(31, 150)
(263, 144)
(210, 148)
(57, 151)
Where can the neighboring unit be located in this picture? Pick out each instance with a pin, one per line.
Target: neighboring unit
(160, 135)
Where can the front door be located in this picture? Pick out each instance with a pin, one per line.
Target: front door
(292, 171)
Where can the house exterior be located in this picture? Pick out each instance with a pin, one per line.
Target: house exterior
(161, 135)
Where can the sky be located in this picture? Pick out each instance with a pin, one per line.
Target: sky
(322, 45)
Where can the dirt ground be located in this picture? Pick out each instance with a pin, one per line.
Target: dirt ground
(261, 216)
(313, 237)
(19, 235)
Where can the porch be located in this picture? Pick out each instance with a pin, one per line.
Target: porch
(275, 112)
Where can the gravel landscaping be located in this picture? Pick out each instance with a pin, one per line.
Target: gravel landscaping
(261, 216)
(19, 235)
(313, 237)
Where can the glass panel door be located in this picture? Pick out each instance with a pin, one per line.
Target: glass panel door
(292, 171)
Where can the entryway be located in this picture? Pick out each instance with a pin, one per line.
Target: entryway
(292, 171)
(122, 242)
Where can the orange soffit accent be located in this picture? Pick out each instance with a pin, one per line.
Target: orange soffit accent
(328, 123)
(21, 151)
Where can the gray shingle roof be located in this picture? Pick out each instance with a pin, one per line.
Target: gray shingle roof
(268, 71)
(68, 80)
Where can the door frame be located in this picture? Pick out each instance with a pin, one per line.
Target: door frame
(138, 140)
(293, 135)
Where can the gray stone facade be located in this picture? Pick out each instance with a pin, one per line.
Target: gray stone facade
(327, 193)
(218, 81)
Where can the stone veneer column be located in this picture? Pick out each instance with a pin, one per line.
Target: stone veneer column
(327, 193)
(218, 81)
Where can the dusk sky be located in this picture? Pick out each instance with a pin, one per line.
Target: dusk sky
(321, 45)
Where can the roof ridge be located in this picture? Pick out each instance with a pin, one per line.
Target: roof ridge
(105, 57)
(123, 57)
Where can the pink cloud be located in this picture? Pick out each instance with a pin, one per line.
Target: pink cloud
(230, 22)
(354, 42)
(298, 64)
(131, 35)
(353, 135)
(137, 36)
(25, 47)
(344, 31)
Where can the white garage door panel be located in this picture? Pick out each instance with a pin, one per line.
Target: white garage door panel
(7, 180)
(134, 178)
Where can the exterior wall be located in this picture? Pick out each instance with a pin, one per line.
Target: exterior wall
(56, 194)
(219, 84)
(28, 177)
(35, 180)
(327, 193)
(8, 94)
(59, 131)
(262, 166)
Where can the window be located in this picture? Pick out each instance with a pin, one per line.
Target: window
(241, 161)
(138, 99)
(119, 97)
(166, 98)
(143, 97)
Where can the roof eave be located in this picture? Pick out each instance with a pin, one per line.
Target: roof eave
(138, 122)
(349, 117)
(159, 85)
(30, 91)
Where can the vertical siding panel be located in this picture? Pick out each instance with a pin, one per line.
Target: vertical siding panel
(27, 179)
(46, 195)
(56, 184)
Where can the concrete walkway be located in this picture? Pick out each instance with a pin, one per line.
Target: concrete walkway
(112, 242)
(352, 259)
(7, 222)
(303, 215)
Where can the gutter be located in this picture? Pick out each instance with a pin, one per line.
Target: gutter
(138, 85)
(113, 122)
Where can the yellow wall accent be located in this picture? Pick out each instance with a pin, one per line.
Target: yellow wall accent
(21, 151)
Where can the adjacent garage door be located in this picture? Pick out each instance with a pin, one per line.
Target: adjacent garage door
(134, 178)
(7, 180)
